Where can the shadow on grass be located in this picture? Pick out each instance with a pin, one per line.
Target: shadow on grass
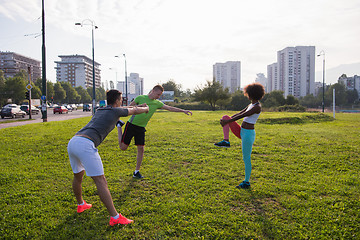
(91, 224)
(266, 225)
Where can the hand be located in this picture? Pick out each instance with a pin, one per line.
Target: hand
(142, 105)
(187, 112)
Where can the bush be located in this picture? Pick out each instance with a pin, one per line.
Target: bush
(291, 108)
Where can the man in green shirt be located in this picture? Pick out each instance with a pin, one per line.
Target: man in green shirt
(135, 127)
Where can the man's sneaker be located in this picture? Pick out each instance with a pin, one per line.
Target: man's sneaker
(244, 184)
(120, 220)
(137, 175)
(83, 207)
(119, 123)
(223, 143)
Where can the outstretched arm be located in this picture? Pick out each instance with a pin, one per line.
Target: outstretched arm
(138, 109)
(175, 109)
(256, 109)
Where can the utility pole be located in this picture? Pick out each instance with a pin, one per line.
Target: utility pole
(29, 76)
(43, 97)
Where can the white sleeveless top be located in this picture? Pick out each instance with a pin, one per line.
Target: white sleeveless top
(253, 118)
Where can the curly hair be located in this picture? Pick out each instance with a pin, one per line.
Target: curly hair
(254, 91)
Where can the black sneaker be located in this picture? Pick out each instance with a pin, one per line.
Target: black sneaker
(138, 175)
(120, 123)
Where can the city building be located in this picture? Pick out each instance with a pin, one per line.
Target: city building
(228, 74)
(12, 63)
(294, 73)
(272, 75)
(351, 83)
(260, 78)
(78, 71)
(135, 86)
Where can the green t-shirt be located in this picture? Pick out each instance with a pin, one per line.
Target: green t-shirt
(142, 119)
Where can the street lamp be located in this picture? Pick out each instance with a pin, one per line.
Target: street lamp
(93, 26)
(322, 53)
(126, 85)
(115, 73)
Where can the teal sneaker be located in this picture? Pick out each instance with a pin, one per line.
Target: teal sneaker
(223, 143)
(244, 184)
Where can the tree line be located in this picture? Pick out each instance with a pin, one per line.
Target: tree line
(211, 96)
(216, 97)
(13, 90)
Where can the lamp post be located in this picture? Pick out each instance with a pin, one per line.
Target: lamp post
(322, 53)
(126, 85)
(43, 50)
(93, 26)
(115, 74)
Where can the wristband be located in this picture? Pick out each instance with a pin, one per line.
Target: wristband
(120, 123)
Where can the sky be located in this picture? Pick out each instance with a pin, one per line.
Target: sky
(182, 39)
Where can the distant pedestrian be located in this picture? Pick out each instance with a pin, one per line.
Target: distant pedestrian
(135, 126)
(255, 92)
(84, 156)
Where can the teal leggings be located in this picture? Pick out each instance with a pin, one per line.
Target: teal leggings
(248, 139)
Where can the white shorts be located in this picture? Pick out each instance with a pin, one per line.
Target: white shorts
(84, 155)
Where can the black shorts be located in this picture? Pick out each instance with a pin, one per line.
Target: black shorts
(131, 131)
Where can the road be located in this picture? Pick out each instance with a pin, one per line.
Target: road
(36, 118)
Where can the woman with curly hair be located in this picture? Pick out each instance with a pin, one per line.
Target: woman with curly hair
(255, 92)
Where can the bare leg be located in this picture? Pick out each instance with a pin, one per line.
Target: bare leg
(104, 194)
(122, 145)
(139, 156)
(76, 185)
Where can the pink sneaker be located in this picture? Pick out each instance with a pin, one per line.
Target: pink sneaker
(83, 207)
(120, 220)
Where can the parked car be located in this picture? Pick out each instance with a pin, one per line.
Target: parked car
(60, 110)
(74, 107)
(34, 110)
(12, 112)
(68, 107)
(86, 108)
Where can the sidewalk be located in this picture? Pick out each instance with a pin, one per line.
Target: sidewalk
(39, 120)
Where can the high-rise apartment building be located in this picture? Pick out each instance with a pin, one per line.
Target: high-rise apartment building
(228, 74)
(272, 77)
(11, 63)
(260, 78)
(294, 72)
(135, 86)
(78, 71)
(351, 83)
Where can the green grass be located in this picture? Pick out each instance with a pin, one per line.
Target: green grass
(305, 181)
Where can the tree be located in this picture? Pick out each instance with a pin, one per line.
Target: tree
(84, 95)
(274, 99)
(238, 101)
(71, 94)
(172, 86)
(310, 101)
(211, 93)
(2, 89)
(352, 96)
(15, 88)
(291, 100)
(60, 93)
(340, 94)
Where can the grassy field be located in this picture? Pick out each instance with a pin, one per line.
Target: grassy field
(305, 181)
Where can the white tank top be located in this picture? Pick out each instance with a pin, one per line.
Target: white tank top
(253, 118)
